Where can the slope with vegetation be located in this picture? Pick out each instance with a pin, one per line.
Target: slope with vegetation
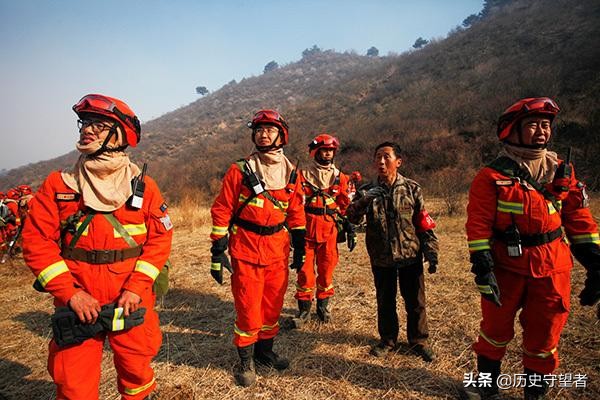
(439, 102)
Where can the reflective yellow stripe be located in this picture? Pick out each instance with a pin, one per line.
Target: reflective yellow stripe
(585, 238)
(85, 231)
(284, 204)
(479, 244)
(240, 332)
(485, 289)
(510, 207)
(299, 227)
(52, 272)
(303, 290)
(492, 341)
(132, 229)
(215, 266)
(147, 269)
(118, 321)
(551, 209)
(256, 202)
(269, 327)
(134, 391)
(234, 229)
(540, 355)
(329, 201)
(218, 230)
(324, 289)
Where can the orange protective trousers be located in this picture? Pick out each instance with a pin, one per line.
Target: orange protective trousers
(544, 304)
(258, 292)
(325, 256)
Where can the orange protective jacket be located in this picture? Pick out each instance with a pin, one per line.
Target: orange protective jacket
(496, 200)
(250, 246)
(335, 198)
(149, 226)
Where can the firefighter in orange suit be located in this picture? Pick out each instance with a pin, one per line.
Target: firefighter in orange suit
(325, 201)
(14, 219)
(260, 205)
(522, 209)
(94, 244)
(4, 214)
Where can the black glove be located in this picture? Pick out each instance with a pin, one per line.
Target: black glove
(588, 254)
(350, 230)
(112, 319)
(590, 294)
(485, 279)
(68, 330)
(432, 269)
(298, 241)
(219, 259)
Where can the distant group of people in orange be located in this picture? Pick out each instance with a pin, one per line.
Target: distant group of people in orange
(13, 211)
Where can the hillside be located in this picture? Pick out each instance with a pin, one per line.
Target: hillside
(440, 102)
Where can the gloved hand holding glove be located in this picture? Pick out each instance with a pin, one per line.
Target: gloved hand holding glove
(68, 330)
(219, 259)
(485, 279)
(298, 241)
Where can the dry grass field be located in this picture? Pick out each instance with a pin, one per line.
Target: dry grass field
(327, 361)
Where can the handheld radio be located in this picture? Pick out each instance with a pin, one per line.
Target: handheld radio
(138, 186)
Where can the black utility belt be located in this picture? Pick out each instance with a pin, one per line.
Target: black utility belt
(259, 229)
(319, 210)
(532, 240)
(100, 256)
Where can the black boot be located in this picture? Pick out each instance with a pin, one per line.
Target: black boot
(487, 366)
(245, 373)
(324, 310)
(536, 386)
(264, 355)
(303, 313)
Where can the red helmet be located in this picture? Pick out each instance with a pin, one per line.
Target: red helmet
(356, 176)
(323, 141)
(524, 108)
(114, 109)
(270, 117)
(24, 190)
(13, 194)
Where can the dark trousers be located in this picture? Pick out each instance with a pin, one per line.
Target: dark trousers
(412, 290)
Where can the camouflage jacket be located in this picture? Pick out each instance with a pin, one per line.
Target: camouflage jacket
(391, 235)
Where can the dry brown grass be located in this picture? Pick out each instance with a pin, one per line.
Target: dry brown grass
(332, 361)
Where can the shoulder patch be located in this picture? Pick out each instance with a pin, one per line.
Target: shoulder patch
(505, 182)
(67, 197)
(166, 221)
(163, 207)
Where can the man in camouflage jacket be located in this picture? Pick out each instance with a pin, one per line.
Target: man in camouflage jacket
(399, 233)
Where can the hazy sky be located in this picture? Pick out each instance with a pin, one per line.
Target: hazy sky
(153, 54)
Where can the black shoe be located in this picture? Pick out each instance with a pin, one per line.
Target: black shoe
(265, 356)
(424, 352)
(303, 315)
(324, 310)
(491, 367)
(536, 388)
(245, 372)
(381, 349)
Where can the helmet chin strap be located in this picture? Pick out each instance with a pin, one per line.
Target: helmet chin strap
(322, 161)
(528, 146)
(104, 148)
(272, 146)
